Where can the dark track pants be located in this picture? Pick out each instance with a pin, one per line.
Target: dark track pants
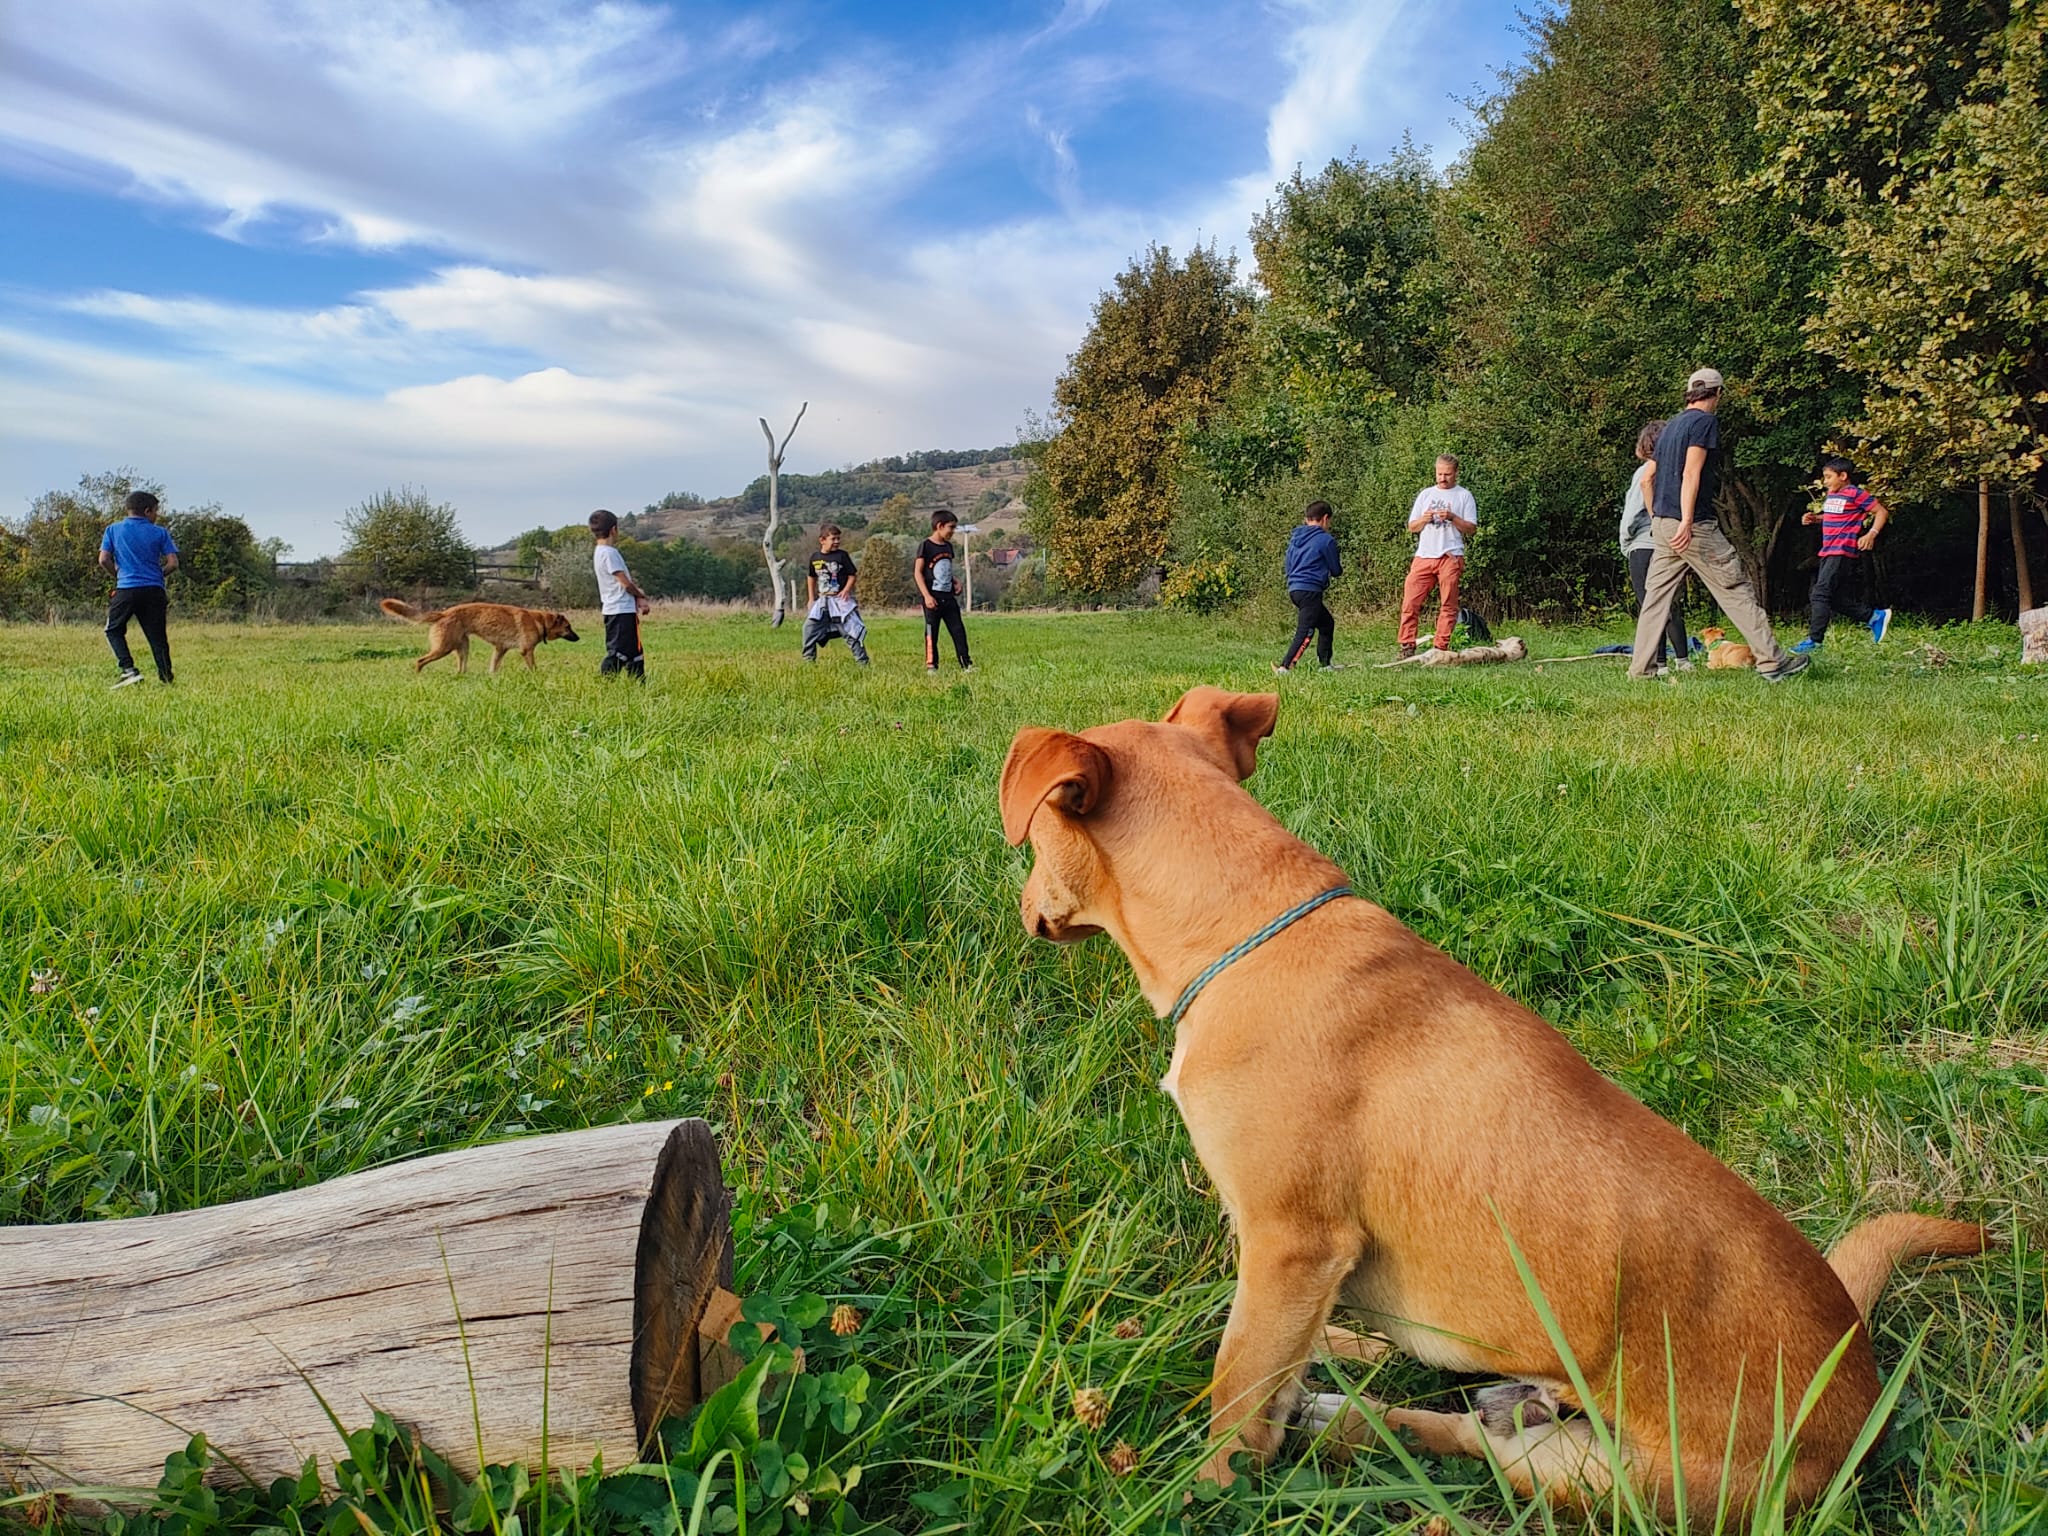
(946, 611)
(622, 651)
(1835, 586)
(1674, 641)
(148, 606)
(1311, 617)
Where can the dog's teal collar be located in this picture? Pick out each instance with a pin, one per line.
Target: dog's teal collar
(1279, 925)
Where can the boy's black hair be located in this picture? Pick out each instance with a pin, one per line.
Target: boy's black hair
(1317, 511)
(831, 528)
(1839, 465)
(942, 517)
(603, 523)
(140, 503)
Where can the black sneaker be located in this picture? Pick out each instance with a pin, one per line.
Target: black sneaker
(1791, 666)
(129, 678)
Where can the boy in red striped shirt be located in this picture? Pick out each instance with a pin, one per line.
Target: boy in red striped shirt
(1843, 538)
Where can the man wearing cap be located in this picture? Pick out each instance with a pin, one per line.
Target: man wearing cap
(1687, 536)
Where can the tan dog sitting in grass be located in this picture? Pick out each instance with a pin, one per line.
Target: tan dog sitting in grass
(1379, 1123)
(1723, 654)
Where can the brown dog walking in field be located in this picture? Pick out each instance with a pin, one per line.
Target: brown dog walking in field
(501, 626)
(1381, 1125)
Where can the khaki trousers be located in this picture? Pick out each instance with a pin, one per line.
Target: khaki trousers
(1710, 557)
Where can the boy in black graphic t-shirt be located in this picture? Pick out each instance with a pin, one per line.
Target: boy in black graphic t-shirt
(829, 589)
(937, 585)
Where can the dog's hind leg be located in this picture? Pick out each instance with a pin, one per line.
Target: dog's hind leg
(462, 658)
(1556, 1458)
(497, 656)
(1284, 1292)
(1515, 1425)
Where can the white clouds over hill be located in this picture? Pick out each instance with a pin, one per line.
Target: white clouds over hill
(617, 233)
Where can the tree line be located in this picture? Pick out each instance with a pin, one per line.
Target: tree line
(397, 541)
(1843, 209)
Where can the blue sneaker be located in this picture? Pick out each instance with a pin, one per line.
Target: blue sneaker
(1807, 646)
(1880, 624)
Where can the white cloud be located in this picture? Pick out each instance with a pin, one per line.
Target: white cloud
(649, 235)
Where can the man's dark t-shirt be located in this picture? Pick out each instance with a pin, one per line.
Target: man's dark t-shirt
(831, 570)
(1688, 429)
(938, 566)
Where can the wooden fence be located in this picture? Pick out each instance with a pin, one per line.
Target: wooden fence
(367, 575)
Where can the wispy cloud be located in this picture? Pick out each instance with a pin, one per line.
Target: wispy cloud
(627, 233)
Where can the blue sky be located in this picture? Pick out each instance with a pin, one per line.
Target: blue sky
(540, 257)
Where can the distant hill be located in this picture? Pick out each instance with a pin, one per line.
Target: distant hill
(981, 485)
(983, 493)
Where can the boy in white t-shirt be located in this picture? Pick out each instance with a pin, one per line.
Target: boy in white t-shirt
(623, 603)
(1445, 515)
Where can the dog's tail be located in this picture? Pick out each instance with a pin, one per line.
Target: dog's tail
(1864, 1259)
(398, 610)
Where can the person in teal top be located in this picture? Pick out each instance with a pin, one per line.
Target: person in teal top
(140, 552)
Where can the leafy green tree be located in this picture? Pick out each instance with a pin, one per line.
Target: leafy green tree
(687, 501)
(898, 514)
(221, 563)
(1355, 312)
(1912, 138)
(1166, 344)
(685, 568)
(403, 538)
(1599, 246)
(57, 546)
(536, 542)
(885, 579)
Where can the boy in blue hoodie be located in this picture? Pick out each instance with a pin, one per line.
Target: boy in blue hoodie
(1312, 564)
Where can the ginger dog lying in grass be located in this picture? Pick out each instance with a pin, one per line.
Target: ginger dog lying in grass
(1723, 654)
(1380, 1123)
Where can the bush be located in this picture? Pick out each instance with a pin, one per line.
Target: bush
(1201, 586)
(221, 564)
(567, 576)
(403, 539)
(50, 559)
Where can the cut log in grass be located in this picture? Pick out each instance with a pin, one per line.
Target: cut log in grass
(455, 1293)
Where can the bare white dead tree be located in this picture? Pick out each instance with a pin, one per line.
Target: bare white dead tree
(775, 504)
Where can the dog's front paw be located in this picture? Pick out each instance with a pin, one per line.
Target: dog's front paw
(1217, 1469)
(1337, 1418)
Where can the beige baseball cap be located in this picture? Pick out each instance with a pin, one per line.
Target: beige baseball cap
(1704, 378)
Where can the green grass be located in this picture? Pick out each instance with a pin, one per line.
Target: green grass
(308, 913)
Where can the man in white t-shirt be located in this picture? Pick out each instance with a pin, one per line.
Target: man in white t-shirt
(1445, 515)
(623, 603)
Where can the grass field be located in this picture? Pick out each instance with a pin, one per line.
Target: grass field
(306, 913)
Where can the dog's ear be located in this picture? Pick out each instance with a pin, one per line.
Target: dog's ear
(1050, 765)
(1234, 723)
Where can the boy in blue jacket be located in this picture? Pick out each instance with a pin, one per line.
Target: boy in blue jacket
(1312, 564)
